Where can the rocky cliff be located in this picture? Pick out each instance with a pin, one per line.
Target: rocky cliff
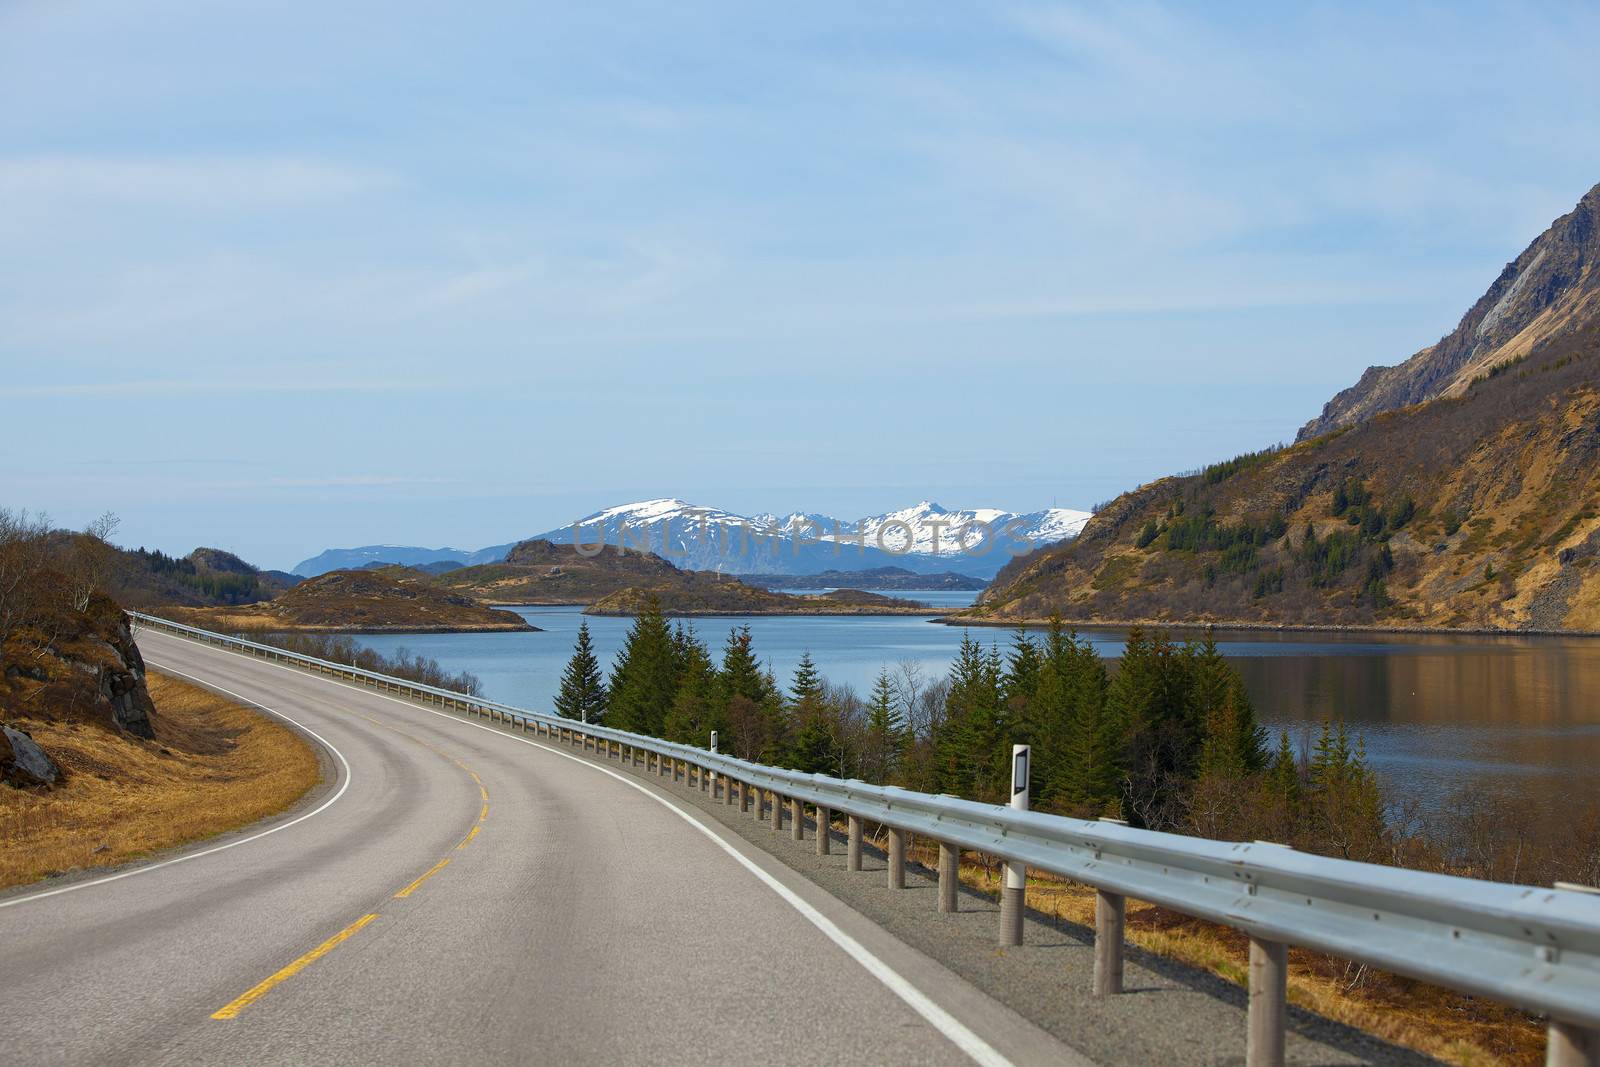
(1550, 291)
(64, 664)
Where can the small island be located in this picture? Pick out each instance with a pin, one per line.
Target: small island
(700, 593)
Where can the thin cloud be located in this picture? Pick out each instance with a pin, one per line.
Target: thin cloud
(157, 388)
(189, 182)
(338, 481)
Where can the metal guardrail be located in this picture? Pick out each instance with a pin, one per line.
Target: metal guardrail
(1532, 948)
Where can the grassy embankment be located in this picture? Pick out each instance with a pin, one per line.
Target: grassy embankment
(217, 766)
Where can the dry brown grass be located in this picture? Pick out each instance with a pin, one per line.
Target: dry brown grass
(215, 766)
(1450, 1026)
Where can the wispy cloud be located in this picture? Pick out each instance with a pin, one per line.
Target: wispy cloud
(336, 481)
(191, 182)
(157, 387)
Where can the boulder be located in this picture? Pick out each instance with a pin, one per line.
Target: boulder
(23, 763)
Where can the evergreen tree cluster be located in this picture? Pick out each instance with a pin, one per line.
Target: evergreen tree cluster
(1167, 740)
(1238, 547)
(222, 587)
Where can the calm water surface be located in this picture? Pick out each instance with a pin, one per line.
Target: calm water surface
(1436, 712)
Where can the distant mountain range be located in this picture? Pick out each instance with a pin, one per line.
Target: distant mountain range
(923, 539)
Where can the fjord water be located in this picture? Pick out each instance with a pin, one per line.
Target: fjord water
(1436, 712)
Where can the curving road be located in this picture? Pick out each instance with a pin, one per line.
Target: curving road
(460, 893)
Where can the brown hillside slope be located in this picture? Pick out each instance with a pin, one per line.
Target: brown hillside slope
(543, 572)
(1551, 290)
(358, 602)
(1477, 511)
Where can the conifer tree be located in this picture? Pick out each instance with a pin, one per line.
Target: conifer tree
(1074, 745)
(741, 674)
(1344, 803)
(884, 741)
(583, 691)
(814, 736)
(1020, 684)
(1232, 742)
(694, 712)
(968, 744)
(644, 680)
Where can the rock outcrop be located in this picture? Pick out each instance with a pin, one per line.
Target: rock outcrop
(1550, 291)
(23, 763)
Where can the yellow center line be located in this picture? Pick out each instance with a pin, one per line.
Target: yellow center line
(468, 839)
(255, 993)
(429, 873)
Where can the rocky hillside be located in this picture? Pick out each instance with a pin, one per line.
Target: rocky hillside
(1550, 291)
(60, 664)
(359, 602)
(1478, 510)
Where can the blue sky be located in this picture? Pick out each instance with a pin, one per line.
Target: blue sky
(282, 276)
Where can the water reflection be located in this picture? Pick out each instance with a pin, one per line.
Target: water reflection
(1436, 713)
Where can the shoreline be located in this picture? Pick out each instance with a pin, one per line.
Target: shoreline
(931, 615)
(1261, 627)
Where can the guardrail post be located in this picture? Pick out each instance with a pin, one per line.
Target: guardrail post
(853, 844)
(897, 858)
(727, 791)
(1269, 996)
(777, 813)
(824, 831)
(1014, 888)
(1570, 1045)
(757, 799)
(797, 819)
(1110, 916)
(705, 781)
(949, 877)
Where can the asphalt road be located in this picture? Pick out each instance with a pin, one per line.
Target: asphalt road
(453, 893)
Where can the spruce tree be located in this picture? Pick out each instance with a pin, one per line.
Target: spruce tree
(1020, 684)
(885, 738)
(644, 680)
(694, 713)
(583, 691)
(1232, 743)
(741, 674)
(815, 740)
(967, 748)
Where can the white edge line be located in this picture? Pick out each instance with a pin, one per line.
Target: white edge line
(979, 1050)
(324, 806)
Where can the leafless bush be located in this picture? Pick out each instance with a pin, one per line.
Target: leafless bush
(24, 559)
(402, 664)
(88, 560)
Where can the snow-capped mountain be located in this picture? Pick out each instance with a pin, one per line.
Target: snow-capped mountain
(924, 538)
